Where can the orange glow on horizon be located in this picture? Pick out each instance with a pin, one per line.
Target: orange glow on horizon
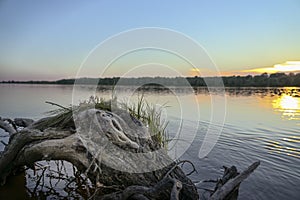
(288, 66)
(194, 72)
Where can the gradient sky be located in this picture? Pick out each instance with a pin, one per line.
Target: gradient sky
(49, 39)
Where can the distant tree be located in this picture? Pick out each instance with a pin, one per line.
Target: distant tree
(265, 74)
(278, 75)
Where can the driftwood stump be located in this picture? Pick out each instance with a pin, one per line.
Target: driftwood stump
(98, 146)
(110, 149)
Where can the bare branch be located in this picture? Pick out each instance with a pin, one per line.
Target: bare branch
(222, 192)
(5, 125)
(23, 122)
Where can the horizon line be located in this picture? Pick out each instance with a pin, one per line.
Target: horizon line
(118, 77)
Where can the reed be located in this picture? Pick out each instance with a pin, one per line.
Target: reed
(151, 116)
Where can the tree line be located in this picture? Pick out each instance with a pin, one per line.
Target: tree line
(263, 80)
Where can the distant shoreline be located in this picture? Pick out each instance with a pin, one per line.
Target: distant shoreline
(263, 80)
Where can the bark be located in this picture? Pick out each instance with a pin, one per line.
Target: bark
(22, 142)
(88, 153)
(6, 125)
(23, 122)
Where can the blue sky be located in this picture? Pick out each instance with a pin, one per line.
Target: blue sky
(50, 39)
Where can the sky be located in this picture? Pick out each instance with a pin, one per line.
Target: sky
(49, 40)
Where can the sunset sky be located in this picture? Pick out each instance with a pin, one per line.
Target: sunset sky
(48, 40)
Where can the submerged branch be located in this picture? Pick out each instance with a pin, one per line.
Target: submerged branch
(228, 187)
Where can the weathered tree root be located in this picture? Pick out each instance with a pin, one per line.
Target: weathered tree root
(36, 142)
(136, 191)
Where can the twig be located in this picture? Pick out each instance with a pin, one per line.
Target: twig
(206, 181)
(194, 169)
(39, 180)
(176, 165)
(5, 144)
(206, 189)
(55, 104)
(94, 194)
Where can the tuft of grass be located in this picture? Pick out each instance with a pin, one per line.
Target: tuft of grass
(151, 116)
(63, 116)
(147, 113)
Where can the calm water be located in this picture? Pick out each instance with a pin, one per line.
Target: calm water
(261, 124)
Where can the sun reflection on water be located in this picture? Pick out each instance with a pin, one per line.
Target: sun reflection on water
(288, 146)
(288, 105)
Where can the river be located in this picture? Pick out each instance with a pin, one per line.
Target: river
(260, 124)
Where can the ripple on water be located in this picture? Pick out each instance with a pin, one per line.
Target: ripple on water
(289, 146)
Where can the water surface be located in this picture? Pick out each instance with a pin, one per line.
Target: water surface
(261, 124)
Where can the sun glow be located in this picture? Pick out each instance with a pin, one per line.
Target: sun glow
(288, 66)
(194, 71)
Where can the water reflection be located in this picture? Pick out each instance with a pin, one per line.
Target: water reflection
(252, 113)
(288, 105)
(251, 91)
(288, 146)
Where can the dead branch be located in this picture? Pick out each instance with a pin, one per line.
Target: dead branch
(5, 125)
(231, 184)
(23, 122)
